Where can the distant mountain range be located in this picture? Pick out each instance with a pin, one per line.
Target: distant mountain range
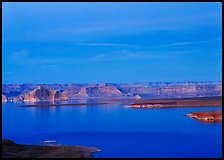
(150, 90)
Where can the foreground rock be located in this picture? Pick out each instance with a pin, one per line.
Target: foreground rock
(176, 103)
(12, 150)
(209, 117)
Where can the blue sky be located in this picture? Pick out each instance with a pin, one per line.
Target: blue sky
(111, 42)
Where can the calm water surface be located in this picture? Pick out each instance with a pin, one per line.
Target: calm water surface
(117, 131)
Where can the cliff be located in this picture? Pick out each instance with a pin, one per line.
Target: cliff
(42, 94)
(4, 98)
(82, 93)
(149, 90)
(104, 91)
(19, 98)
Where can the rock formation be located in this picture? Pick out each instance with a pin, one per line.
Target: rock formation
(103, 91)
(42, 94)
(4, 98)
(64, 96)
(208, 116)
(18, 99)
(82, 93)
(149, 90)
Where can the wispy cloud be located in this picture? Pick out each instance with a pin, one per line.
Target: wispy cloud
(15, 56)
(116, 26)
(106, 44)
(52, 66)
(193, 42)
(7, 73)
(122, 55)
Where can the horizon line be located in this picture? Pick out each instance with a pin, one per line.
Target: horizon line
(120, 82)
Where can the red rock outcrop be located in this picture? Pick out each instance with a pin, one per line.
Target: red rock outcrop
(209, 116)
(4, 98)
(42, 94)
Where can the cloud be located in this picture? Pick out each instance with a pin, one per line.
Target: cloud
(52, 66)
(18, 55)
(104, 44)
(75, 24)
(7, 73)
(121, 55)
(193, 42)
(96, 28)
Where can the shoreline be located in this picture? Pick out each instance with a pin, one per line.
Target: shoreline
(12, 150)
(51, 105)
(207, 116)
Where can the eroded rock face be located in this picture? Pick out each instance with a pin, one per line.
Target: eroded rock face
(82, 93)
(64, 96)
(18, 99)
(4, 98)
(42, 94)
(103, 90)
(209, 116)
(151, 90)
(57, 95)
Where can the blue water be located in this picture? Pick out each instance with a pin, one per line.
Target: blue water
(117, 131)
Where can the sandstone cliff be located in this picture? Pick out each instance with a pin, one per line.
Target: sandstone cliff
(104, 91)
(64, 96)
(82, 93)
(4, 98)
(149, 90)
(42, 94)
(18, 98)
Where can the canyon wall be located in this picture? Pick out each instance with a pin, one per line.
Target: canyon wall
(151, 90)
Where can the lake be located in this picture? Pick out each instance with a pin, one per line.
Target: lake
(117, 131)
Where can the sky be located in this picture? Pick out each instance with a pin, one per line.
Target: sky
(111, 42)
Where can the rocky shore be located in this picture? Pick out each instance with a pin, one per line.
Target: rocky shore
(208, 117)
(13, 150)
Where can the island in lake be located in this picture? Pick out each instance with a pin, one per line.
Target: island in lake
(208, 117)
